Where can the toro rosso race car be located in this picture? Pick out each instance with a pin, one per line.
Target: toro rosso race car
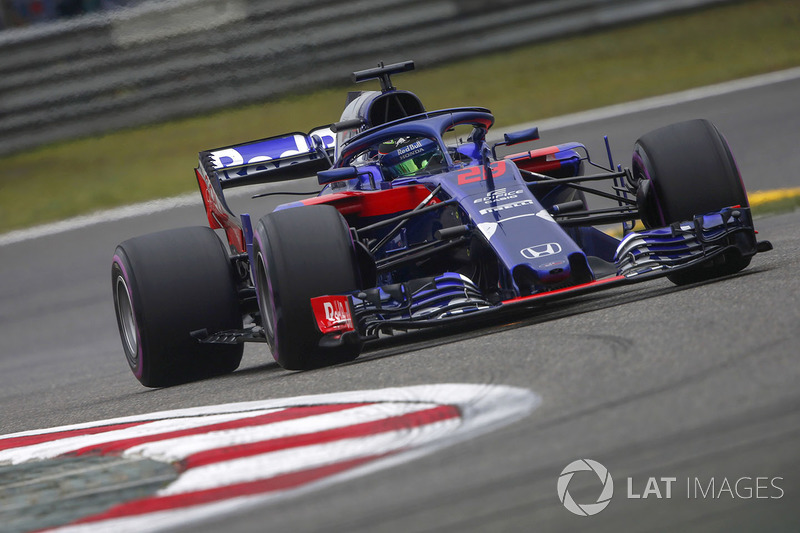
(419, 224)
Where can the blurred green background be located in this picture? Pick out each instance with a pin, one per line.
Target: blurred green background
(528, 83)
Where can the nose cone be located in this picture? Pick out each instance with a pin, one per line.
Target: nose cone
(548, 268)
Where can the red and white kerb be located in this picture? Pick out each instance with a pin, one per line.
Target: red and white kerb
(243, 454)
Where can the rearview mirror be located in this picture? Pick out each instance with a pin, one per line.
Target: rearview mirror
(521, 136)
(336, 174)
(516, 137)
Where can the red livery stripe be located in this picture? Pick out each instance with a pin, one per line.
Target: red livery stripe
(374, 203)
(574, 288)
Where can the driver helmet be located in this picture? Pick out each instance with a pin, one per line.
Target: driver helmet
(402, 159)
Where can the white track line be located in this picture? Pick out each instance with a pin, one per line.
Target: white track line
(656, 102)
(603, 113)
(101, 217)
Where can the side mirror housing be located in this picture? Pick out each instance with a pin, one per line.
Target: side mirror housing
(516, 137)
(521, 136)
(337, 174)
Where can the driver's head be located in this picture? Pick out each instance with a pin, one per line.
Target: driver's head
(402, 159)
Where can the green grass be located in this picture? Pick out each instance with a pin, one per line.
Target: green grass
(778, 206)
(788, 201)
(524, 84)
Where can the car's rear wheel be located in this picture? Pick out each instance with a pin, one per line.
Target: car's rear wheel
(685, 170)
(165, 286)
(301, 253)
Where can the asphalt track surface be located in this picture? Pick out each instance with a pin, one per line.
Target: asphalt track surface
(651, 380)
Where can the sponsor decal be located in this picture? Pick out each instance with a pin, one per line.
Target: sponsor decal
(268, 150)
(410, 155)
(503, 207)
(415, 146)
(325, 135)
(408, 151)
(271, 153)
(541, 250)
(332, 314)
(234, 456)
(551, 264)
(499, 195)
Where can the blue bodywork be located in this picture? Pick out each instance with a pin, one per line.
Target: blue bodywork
(530, 252)
(476, 232)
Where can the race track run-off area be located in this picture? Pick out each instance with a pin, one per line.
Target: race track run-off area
(226, 457)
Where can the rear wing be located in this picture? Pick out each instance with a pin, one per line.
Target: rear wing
(281, 158)
(285, 157)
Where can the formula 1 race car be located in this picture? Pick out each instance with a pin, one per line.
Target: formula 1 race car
(419, 224)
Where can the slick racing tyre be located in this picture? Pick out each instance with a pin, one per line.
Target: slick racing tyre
(165, 286)
(684, 170)
(301, 253)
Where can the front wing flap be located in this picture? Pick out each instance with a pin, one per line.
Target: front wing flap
(685, 244)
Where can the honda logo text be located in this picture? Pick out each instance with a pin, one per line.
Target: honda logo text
(541, 250)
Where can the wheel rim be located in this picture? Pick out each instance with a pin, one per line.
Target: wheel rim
(127, 321)
(264, 300)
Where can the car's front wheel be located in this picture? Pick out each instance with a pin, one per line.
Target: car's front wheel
(685, 170)
(301, 253)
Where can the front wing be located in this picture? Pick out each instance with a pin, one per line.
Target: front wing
(451, 297)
